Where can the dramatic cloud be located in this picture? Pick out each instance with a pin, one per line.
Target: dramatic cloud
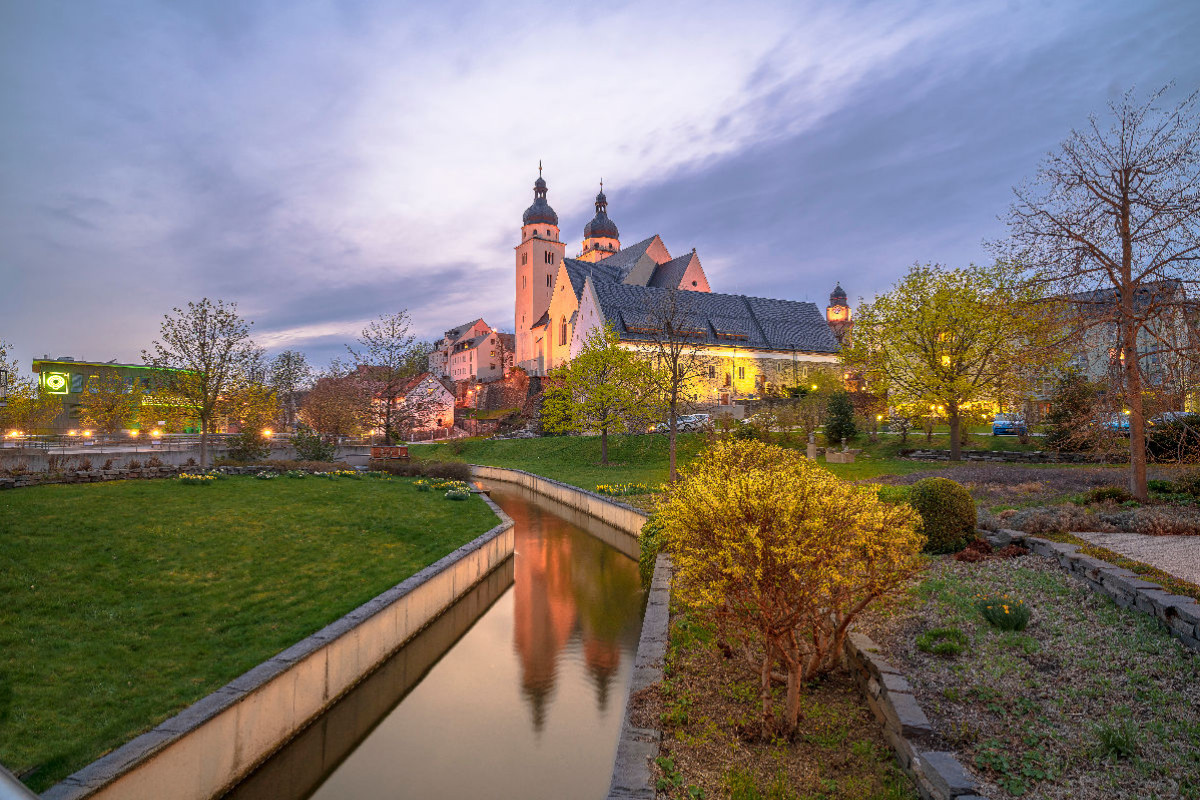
(327, 163)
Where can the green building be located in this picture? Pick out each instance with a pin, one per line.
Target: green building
(70, 379)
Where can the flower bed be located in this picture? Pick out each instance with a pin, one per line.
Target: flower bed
(1089, 701)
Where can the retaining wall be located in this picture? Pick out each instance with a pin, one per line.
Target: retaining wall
(209, 746)
(617, 514)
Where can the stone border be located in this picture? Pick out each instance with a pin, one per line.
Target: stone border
(638, 747)
(937, 773)
(213, 743)
(88, 476)
(1177, 614)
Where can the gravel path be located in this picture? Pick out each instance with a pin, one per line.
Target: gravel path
(1178, 555)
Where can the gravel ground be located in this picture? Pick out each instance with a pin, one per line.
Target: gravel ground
(1178, 555)
(1089, 702)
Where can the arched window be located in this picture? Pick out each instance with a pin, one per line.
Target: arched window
(562, 331)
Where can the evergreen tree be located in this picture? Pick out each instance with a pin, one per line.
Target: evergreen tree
(1072, 406)
(839, 420)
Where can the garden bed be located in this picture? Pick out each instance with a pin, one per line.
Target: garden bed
(127, 601)
(1090, 701)
(708, 709)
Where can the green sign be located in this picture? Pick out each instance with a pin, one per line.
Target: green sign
(56, 382)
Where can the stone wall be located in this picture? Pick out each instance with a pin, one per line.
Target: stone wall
(1008, 456)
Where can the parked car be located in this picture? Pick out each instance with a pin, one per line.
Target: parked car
(1009, 425)
(684, 423)
(1170, 417)
(1115, 422)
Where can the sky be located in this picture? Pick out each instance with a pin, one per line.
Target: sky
(323, 163)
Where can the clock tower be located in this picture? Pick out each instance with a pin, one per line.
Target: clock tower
(538, 257)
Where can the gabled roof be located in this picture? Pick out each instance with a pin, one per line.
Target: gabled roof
(454, 334)
(720, 319)
(670, 274)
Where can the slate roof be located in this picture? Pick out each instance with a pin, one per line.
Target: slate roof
(722, 320)
(454, 334)
(623, 260)
(670, 274)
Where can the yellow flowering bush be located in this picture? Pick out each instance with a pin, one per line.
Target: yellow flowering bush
(786, 553)
(186, 477)
(622, 489)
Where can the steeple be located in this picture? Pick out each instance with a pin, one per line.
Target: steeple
(540, 211)
(600, 236)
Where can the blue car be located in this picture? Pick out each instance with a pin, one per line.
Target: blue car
(1008, 425)
(1118, 423)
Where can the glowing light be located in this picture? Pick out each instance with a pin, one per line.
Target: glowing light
(1126, 411)
(814, 387)
(56, 382)
(267, 432)
(879, 417)
(133, 434)
(72, 432)
(87, 433)
(156, 433)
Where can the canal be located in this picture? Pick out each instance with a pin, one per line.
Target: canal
(518, 691)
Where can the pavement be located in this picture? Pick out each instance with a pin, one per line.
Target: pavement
(1178, 555)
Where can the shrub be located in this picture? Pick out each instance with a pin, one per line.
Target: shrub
(945, 642)
(458, 493)
(153, 461)
(108, 463)
(1189, 483)
(310, 446)
(86, 464)
(650, 544)
(247, 446)
(789, 553)
(976, 550)
(1161, 487)
(947, 514)
(456, 470)
(1175, 441)
(1004, 613)
(191, 462)
(893, 494)
(133, 464)
(1107, 493)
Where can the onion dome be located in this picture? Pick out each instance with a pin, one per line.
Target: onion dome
(838, 296)
(601, 225)
(540, 211)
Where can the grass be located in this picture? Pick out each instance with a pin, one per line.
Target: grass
(125, 602)
(632, 459)
(1090, 701)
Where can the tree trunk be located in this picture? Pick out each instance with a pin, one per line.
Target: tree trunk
(791, 714)
(955, 425)
(671, 435)
(604, 446)
(203, 442)
(764, 689)
(1137, 424)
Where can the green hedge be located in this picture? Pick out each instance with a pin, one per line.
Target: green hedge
(947, 512)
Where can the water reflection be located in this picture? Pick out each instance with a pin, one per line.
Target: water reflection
(526, 704)
(574, 597)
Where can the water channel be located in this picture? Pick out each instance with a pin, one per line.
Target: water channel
(518, 691)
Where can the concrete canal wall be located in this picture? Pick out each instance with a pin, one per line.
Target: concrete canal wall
(618, 515)
(211, 745)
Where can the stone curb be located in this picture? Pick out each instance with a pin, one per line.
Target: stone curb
(141, 751)
(1176, 614)
(88, 476)
(637, 748)
(938, 774)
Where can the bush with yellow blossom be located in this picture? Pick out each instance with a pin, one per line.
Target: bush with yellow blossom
(786, 554)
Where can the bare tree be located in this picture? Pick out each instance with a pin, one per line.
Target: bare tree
(211, 342)
(1112, 226)
(289, 374)
(389, 357)
(675, 340)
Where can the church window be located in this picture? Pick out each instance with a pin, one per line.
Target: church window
(693, 283)
(562, 331)
(522, 281)
(547, 280)
(524, 258)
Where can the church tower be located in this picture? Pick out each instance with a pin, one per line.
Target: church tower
(600, 237)
(538, 257)
(837, 314)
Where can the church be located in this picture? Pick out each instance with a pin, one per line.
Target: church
(753, 344)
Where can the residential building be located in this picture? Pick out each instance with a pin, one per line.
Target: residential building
(473, 352)
(427, 402)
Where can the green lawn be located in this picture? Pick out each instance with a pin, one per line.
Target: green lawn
(124, 602)
(633, 459)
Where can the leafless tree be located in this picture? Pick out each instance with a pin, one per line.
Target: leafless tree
(389, 357)
(1111, 226)
(674, 333)
(211, 342)
(289, 374)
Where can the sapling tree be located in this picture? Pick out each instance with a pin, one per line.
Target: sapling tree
(110, 403)
(603, 388)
